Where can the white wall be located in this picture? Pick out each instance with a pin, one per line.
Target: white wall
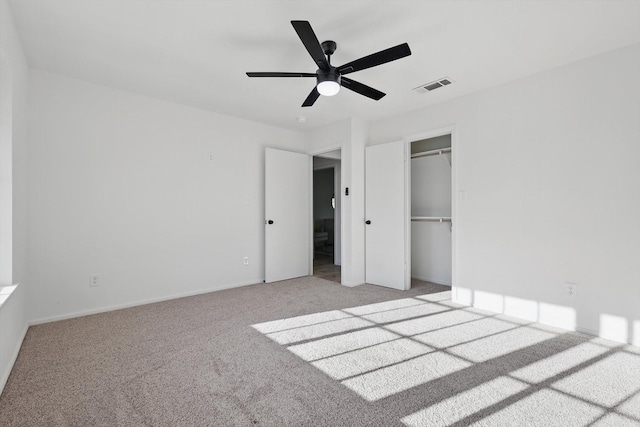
(13, 191)
(156, 198)
(549, 167)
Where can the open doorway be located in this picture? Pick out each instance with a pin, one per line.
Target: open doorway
(326, 216)
(431, 210)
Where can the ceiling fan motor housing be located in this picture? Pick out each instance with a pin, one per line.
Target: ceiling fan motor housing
(332, 75)
(328, 47)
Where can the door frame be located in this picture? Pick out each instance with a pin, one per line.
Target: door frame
(312, 154)
(408, 139)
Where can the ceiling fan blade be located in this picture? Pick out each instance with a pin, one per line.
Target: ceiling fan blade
(377, 58)
(278, 74)
(362, 89)
(313, 96)
(310, 41)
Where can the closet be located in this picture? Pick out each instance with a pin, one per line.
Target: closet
(431, 226)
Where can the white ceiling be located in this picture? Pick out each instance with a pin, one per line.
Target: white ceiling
(197, 52)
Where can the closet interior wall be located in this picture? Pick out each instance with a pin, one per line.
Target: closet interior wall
(431, 258)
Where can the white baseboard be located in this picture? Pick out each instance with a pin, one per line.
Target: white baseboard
(14, 357)
(138, 303)
(579, 329)
(589, 332)
(351, 285)
(432, 280)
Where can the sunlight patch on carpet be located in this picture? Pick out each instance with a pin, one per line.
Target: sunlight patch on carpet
(318, 330)
(437, 297)
(501, 344)
(615, 420)
(631, 407)
(606, 382)
(383, 306)
(299, 321)
(544, 408)
(467, 403)
(332, 346)
(459, 334)
(431, 323)
(405, 313)
(394, 379)
(560, 362)
(417, 345)
(372, 358)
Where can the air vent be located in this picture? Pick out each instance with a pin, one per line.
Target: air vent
(428, 87)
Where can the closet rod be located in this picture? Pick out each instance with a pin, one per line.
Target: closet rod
(431, 152)
(431, 218)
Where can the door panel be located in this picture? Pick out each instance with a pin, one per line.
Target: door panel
(287, 227)
(386, 217)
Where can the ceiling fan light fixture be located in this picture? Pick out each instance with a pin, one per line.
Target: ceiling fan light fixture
(328, 88)
(328, 82)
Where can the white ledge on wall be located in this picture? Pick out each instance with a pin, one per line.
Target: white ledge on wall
(5, 293)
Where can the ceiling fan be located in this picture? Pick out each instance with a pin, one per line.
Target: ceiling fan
(329, 78)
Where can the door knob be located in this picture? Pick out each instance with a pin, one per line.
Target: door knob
(367, 222)
(270, 222)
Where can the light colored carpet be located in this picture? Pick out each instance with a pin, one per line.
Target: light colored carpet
(309, 352)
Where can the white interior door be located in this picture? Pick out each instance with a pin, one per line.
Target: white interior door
(287, 213)
(386, 217)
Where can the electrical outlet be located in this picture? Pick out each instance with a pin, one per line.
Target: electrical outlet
(94, 280)
(571, 289)
(246, 260)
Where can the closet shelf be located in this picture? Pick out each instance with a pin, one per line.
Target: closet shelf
(431, 152)
(431, 218)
